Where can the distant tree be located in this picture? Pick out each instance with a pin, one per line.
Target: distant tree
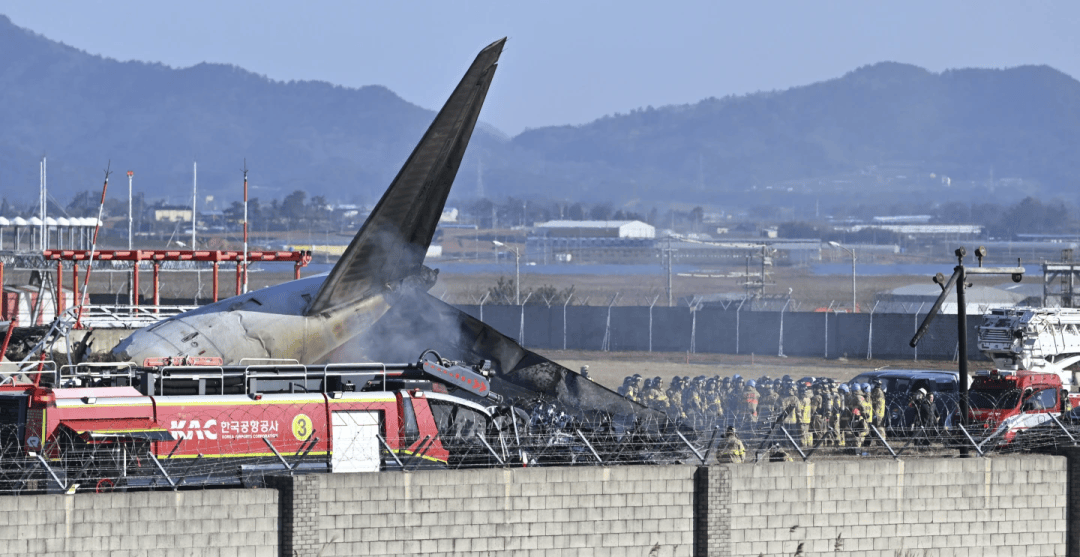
(502, 292)
(293, 207)
(84, 204)
(576, 212)
(549, 295)
(600, 212)
(318, 210)
(697, 215)
(798, 230)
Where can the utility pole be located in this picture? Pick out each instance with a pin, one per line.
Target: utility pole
(44, 202)
(668, 253)
(959, 278)
(194, 192)
(245, 228)
(130, 214)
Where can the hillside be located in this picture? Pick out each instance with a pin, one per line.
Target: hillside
(881, 133)
(888, 125)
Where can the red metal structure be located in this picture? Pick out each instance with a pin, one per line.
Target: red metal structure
(298, 258)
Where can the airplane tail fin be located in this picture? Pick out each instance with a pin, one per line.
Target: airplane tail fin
(393, 241)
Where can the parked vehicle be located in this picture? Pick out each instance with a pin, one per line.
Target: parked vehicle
(901, 384)
(102, 428)
(1010, 402)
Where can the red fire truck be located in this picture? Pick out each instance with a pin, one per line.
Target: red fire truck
(165, 423)
(1010, 402)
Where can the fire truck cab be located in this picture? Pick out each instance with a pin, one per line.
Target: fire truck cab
(1009, 402)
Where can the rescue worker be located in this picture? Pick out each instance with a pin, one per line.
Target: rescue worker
(1066, 405)
(859, 429)
(792, 407)
(675, 403)
(832, 398)
(751, 397)
(818, 414)
(694, 404)
(924, 415)
(843, 411)
(736, 401)
(769, 406)
(877, 401)
(734, 450)
(805, 415)
(654, 396)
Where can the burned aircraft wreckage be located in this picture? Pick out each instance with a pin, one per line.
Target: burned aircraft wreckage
(373, 306)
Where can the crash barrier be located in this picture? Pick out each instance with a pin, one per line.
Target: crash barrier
(1005, 505)
(727, 331)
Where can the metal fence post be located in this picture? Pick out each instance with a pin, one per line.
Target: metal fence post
(566, 303)
(827, 310)
(521, 330)
(606, 345)
(780, 353)
(651, 304)
(737, 310)
(870, 338)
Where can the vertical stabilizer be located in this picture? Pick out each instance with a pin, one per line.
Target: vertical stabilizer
(393, 242)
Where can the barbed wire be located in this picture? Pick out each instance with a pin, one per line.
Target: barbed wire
(71, 461)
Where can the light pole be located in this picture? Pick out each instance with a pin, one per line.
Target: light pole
(517, 270)
(131, 218)
(852, 252)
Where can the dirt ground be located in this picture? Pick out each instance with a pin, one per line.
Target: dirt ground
(609, 368)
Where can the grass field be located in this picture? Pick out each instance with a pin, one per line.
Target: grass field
(609, 368)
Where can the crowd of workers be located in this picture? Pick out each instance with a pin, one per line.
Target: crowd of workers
(835, 414)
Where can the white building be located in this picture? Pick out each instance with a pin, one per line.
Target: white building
(596, 229)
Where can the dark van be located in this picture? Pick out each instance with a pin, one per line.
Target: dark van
(901, 384)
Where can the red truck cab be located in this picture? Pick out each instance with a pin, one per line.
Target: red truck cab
(1008, 402)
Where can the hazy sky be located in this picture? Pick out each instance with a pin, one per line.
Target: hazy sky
(567, 62)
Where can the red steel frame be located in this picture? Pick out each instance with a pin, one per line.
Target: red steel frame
(298, 258)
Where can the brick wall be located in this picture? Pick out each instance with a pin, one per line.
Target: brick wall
(619, 511)
(206, 523)
(992, 506)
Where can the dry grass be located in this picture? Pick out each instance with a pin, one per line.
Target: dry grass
(810, 291)
(609, 368)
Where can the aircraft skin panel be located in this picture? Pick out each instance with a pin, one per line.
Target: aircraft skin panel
(392, 243)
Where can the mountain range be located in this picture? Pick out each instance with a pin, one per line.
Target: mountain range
(881, 133)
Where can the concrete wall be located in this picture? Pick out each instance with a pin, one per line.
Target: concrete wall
(1016, 505)
(995, 506)
(719, 331)
(204, 523)
(537, 511)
